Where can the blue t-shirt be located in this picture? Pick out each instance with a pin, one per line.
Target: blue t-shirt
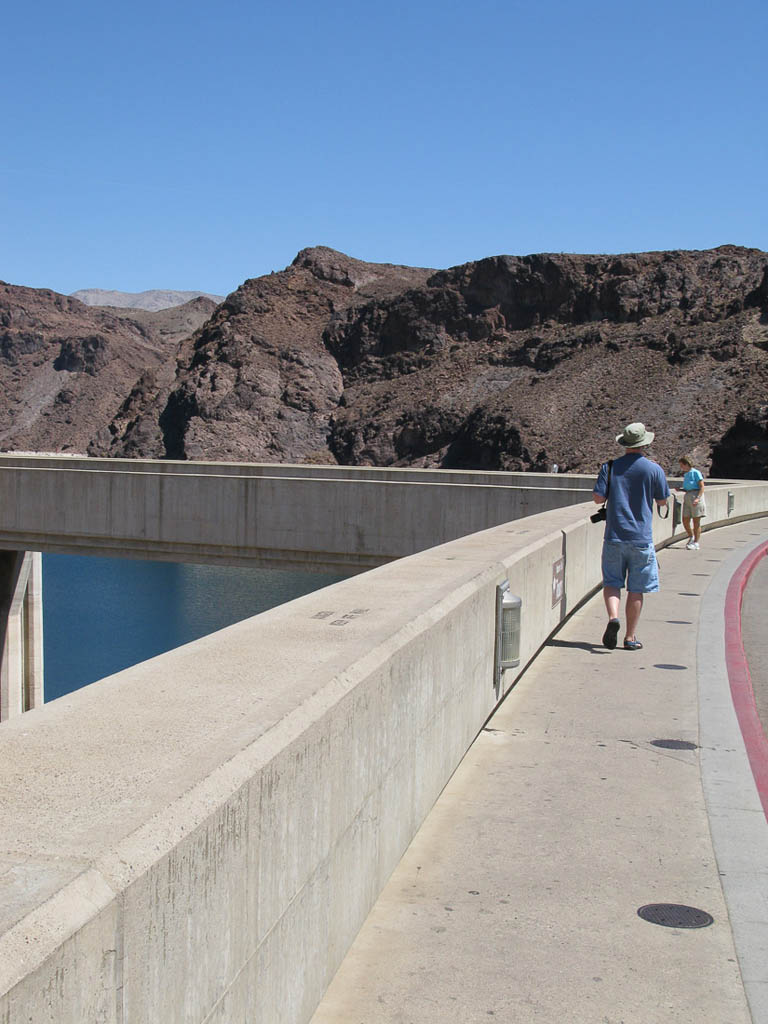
(691, 480)
(636, 483)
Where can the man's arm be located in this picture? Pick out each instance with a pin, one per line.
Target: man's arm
(662, 495)
(598, 494)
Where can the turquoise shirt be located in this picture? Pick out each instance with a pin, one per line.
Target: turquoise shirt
(691, 480)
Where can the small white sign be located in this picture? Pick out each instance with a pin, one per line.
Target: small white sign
(558, 581)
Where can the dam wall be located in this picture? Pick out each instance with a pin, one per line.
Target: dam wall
(200, 837)
(330, 519)
(21, 632)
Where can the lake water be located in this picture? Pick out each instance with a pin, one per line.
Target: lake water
(101, 615)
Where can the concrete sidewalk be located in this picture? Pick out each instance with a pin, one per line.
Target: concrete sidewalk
(517, 901)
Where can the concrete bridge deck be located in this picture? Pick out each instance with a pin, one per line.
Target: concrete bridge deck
(517, 900)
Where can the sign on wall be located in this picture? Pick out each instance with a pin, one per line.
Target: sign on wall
(558, 581)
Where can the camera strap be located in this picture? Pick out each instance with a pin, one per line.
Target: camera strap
(608, 482)
(600, 515)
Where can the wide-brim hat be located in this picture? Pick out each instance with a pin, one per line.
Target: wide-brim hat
(634, 435)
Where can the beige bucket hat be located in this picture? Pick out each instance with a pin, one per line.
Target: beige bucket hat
(634, 435)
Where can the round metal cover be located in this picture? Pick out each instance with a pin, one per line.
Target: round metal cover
(675, 744)
(675, 915)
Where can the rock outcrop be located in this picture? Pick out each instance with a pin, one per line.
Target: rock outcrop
(66, 368)
(504, 363)
(519, 363)
(258, 382)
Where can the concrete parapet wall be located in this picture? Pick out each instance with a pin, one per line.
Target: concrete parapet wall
(327, 518)
(199, 838)
(314, 471)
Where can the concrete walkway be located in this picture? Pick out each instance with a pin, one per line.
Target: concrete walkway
(518, 899)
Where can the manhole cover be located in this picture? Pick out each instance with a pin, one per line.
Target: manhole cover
(675, 915)
(675, 744)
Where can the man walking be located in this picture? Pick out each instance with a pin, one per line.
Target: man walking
(629, 558)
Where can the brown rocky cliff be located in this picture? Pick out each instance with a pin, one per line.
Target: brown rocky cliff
(257, 381)
(65, 367)
(504, 363)
(518, 363)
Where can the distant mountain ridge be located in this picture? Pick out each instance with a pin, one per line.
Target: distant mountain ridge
(66, 368)
(509, 362)
(153, 300)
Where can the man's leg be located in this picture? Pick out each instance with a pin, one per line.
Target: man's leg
(614, 569)
(634, 607)
(612, 598)
(642, 578)
(696, 528)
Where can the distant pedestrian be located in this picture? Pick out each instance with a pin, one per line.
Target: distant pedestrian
(694, 505)
(629, 557)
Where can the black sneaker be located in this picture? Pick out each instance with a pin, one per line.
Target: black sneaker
(610, 634)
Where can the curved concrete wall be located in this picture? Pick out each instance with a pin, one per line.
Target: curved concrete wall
(326, 518)
(394, 474)
(200, 837)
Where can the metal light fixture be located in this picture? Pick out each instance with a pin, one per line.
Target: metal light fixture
(677, 513)
(508, 618)
(731, 502)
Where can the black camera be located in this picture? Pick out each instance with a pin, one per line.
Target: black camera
(600, 516)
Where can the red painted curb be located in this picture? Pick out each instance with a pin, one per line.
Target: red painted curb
(739, 678)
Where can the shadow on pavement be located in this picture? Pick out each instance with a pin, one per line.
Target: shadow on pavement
(592, 648)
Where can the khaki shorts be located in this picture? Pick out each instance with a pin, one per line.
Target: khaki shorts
(691, 511)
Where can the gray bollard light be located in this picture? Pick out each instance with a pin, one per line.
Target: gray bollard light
(731, 502)
(508, 621)
(677, 513)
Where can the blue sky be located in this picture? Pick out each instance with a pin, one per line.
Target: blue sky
(192, 146)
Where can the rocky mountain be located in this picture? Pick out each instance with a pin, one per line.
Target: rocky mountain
(65, 368)
(152, 301)
(518, 363)
(504, 363)
(258, 381)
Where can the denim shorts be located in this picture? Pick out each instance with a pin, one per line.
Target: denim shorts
(630, 565)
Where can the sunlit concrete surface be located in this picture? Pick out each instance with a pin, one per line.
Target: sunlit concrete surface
(199, 838)
(518, 898)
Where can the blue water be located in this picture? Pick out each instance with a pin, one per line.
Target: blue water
(101, 615)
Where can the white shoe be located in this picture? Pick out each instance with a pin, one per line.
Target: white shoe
(690, 545)
(695, 546)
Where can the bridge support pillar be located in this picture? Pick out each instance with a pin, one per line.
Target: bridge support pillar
(21, 632)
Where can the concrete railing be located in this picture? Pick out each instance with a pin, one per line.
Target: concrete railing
(200, 837)
(325, 518)
(392, 474)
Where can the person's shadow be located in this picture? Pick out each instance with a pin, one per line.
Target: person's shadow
(578, 645)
